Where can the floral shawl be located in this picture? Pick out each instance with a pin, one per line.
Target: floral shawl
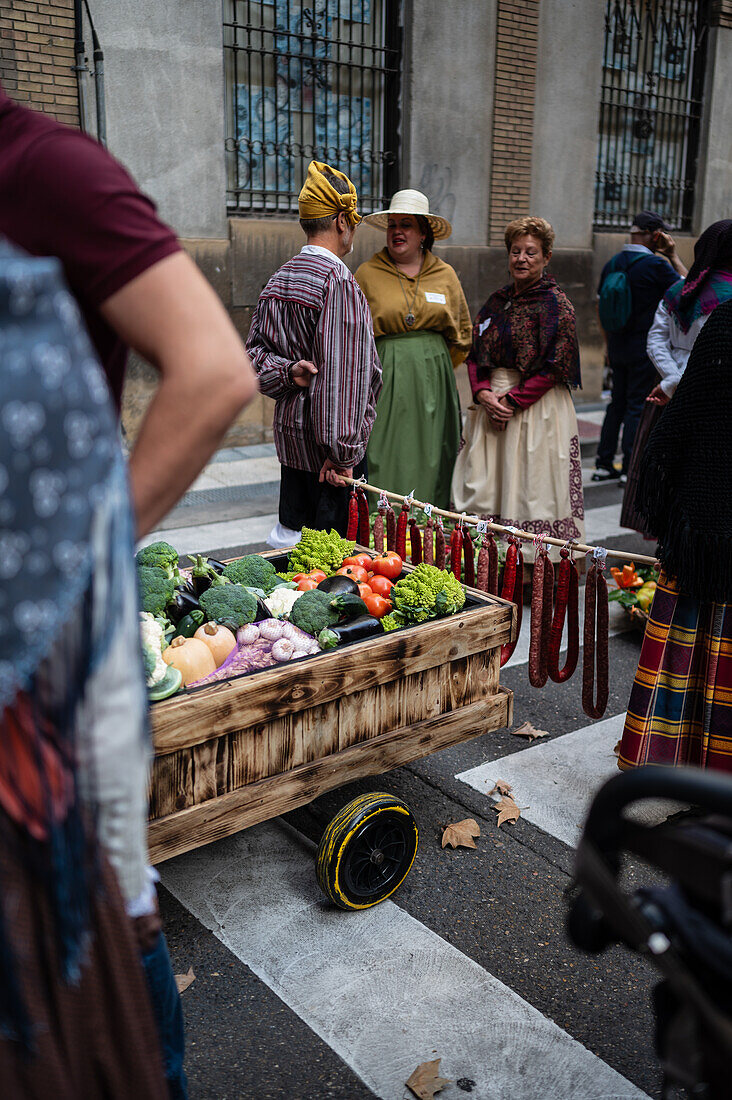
(533, 332)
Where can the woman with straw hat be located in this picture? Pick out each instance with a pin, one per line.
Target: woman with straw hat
(423, 331)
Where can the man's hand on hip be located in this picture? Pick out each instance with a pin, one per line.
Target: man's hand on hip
(334, 474)
(302, 373)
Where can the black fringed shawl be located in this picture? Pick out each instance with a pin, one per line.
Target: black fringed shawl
(685, 487)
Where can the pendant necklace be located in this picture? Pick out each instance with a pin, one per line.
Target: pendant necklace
(409, 318)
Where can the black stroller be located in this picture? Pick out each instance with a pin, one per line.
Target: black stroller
(684, 928)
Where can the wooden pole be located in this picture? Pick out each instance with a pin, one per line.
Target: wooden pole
(641, 559)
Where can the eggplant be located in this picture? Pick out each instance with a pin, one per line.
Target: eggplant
(217, 566)
(338, 584)
(183, 602)
(353, 630)
(263, 612)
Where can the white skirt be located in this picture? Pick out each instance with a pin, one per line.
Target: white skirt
(529, 475)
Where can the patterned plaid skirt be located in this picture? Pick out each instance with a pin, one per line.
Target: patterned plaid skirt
(680, 709)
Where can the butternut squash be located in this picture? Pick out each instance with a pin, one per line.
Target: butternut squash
(191, 657)
(219, 640)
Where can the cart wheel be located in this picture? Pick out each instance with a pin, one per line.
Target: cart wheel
(366, 851)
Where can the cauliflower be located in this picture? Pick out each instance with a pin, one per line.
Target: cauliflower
(425, 593)
(151, 635)
(281, 601)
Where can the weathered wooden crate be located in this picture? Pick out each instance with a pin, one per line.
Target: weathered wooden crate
(246, 750)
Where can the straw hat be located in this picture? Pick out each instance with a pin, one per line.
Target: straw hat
(411, 202)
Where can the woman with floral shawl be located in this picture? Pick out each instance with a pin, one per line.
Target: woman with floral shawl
(77, 907)
(520, 463)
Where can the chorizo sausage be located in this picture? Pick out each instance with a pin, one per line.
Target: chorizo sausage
(391, 525)
(364, 525)
(352, 529)
(401, 531)
(428, 548)
(440, 549)
(468, 558)
(488, 565)
(456, 550)
(379, 532)
(542, 592)
(513, 590)
(566, 607)
(595, 652)
(415, 542)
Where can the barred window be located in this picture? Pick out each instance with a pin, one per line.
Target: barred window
(310, 80)
(650, 110)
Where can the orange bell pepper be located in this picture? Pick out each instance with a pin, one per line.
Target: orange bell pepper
(627, 577)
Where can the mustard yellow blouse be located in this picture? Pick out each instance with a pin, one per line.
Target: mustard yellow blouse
(439, 304)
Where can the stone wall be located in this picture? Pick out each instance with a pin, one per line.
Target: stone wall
(37, 56)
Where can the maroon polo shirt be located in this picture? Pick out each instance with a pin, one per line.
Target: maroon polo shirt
(63, 195)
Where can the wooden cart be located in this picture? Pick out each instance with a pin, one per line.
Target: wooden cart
(249, 749)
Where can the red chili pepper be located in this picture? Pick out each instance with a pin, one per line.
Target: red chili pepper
(513, 590)
(440, 548)
(567, 603)
(428, 552)
(456, 551)
(364, 526)
(594, 653)
(379, 531)
(352, 517)
(391, 525)
(401, 532)
(468, 558)
(415, 541)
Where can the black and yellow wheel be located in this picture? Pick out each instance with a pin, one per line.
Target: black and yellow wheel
(366, 851)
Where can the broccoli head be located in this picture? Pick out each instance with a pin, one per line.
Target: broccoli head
(160, 555)
(314, 611)
(229, 603)
(253, 571)
(427, 593)
(319, 550)
(156, 589)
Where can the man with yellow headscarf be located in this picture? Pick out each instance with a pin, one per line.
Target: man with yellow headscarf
(312, 345)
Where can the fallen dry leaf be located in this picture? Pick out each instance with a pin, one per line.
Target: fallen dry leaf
(616, 750)
(501, 787)
(507, 810)
(424, 1082)
(461, 833)
(184, 980)
(527, 730)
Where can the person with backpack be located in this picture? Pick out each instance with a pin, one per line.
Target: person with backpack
(632, 284)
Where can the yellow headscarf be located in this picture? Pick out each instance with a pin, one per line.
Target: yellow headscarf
(319, 198)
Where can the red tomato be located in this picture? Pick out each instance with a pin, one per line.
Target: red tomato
(306, 584)
(318, 575)
(377, 606)
(364, 590)
(356, 572)
(364, 560)
(381, 586)
(300, 576)
(388, 565)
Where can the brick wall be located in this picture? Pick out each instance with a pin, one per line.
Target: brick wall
(721, 13)
(517, 35)
(37, 56)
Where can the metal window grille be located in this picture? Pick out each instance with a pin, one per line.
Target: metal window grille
(304, 81)
(650, 110)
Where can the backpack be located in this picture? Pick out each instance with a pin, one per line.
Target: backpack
(615, 299)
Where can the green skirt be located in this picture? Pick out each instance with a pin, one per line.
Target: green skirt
(416, 435)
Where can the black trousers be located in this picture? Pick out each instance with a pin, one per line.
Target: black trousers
(632, 382)
(307, 502)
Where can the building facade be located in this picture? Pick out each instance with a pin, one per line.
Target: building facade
(582, 111)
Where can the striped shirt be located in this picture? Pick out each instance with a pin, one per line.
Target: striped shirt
(313, 308)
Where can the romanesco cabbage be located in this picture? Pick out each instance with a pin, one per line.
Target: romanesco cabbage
(319, 550)
(425, 593)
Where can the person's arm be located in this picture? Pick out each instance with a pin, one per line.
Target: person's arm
(459, 332)
(173, 318)
(534, 388)
(658, 347)
(666, 247)
(345, 354)
(277, 376)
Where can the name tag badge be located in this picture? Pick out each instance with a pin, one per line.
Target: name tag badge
(438, 299)
(483, 326)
